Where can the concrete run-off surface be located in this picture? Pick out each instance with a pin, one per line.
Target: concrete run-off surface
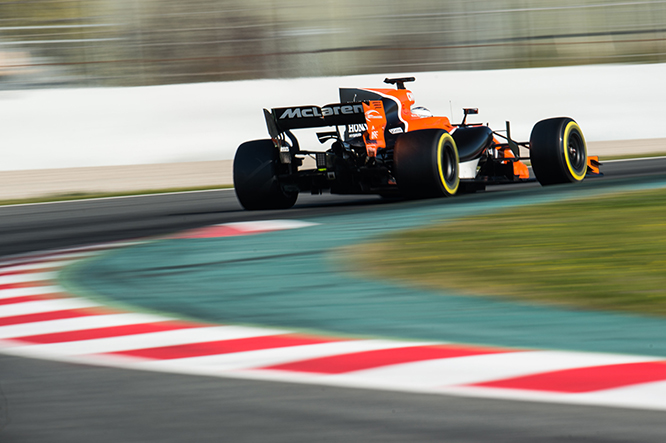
(113, 179)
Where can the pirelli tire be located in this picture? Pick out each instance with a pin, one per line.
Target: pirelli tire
(426, 164)
(558, 152)
(255, 177)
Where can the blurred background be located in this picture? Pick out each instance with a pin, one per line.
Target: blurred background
(51, 43)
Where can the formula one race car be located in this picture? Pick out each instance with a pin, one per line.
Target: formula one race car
(391, 148)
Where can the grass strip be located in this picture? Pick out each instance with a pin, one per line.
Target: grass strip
(605, 253)
(91, 195)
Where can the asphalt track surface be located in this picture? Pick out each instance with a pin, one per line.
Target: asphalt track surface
(44, 401)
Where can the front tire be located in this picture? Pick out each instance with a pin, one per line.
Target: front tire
(558, 151)
(255, 177)
(426, 164)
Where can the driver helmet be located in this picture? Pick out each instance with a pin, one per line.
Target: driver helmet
(420, 111)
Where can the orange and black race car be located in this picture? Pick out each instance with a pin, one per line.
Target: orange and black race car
(390, 147)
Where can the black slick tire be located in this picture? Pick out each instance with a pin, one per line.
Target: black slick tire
(255, 177)
(558, 152)
(426, 164)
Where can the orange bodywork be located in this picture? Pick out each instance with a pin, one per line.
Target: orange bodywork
(519, 168)
(375, 118)
(412, 121)
(593, 165)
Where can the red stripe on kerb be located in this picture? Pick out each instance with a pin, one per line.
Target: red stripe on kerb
(211, 232)
(28, 271)
(29, 298)
(340, 364)
(54, 315)
(22, 299)
(33, 261)
(224, 347)
(46, 260)
(581, 380)
(111, 331)
(59, 255)
(28, 284)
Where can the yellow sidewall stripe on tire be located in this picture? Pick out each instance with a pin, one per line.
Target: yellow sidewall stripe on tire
(565, 141)
(440, 166)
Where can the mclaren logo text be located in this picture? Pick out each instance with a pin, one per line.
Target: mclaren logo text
(314, 111)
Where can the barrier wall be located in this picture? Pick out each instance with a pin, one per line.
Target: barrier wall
(64, 128)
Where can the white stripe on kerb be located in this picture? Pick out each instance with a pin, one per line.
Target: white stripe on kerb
(23, 292)
(270, 357)
(153, 340)
(483, 368)
(77, 324)
(36, 307)
(26, 278)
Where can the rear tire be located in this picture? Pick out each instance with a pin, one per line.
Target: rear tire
(426, 164)
(558, 151)
(255, 177)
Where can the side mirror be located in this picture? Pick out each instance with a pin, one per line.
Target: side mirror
(468, 111)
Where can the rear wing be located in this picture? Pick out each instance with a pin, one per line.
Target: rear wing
(280, 120)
